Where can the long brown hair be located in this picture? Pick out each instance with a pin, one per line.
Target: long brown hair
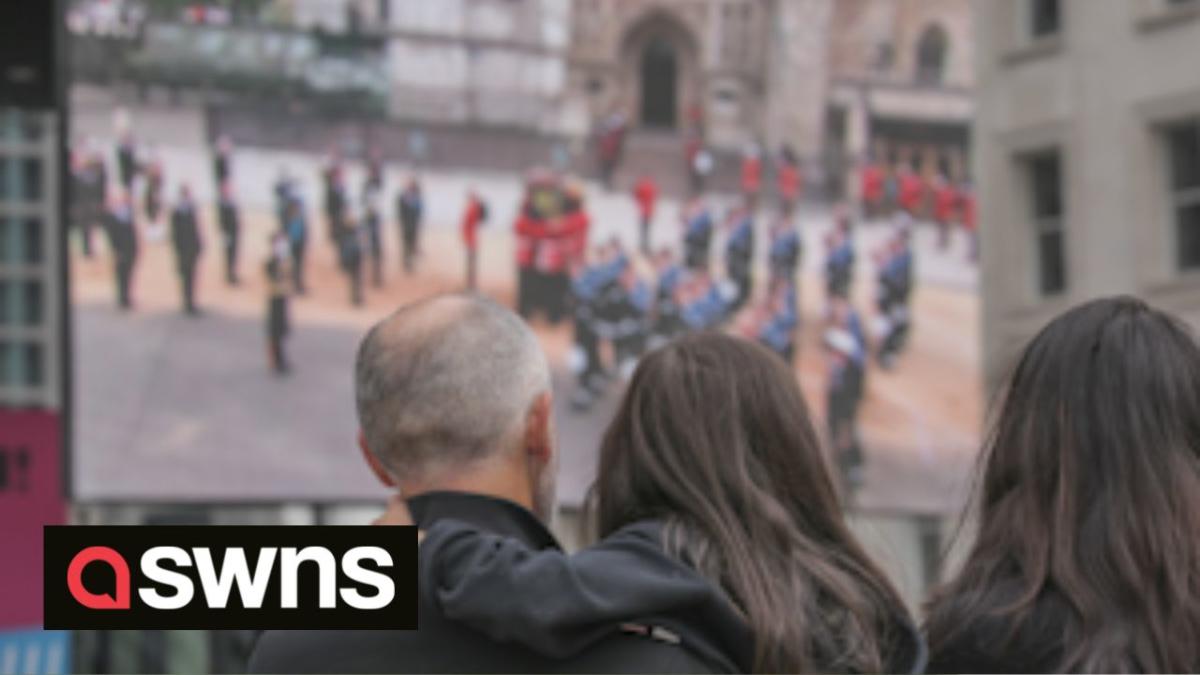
(713, 437)
(1089, 498)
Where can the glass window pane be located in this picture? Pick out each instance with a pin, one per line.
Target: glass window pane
(32, 241)
(1052, 265)
(7, 374)
(31, 356)
(1045, 17)
(32, 303)
(31, 127)
(31, 176)
(1188, 223)
(1046, 186)
(6, 304)
(1183, 143)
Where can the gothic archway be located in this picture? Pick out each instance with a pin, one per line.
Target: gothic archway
(660, 70)
(659, 75)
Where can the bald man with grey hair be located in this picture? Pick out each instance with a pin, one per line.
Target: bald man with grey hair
(456, 388)
(454, 406)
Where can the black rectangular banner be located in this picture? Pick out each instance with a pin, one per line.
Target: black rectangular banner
(230, 577)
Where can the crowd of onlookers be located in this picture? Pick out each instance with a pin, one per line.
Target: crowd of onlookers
(721, 541)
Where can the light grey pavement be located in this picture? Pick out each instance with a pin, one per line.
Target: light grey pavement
(176, 409)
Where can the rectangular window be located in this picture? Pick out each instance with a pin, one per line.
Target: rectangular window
(31, 177)
(7, 370)
(1045, 18)
(1045, 190)
(1183, 149)
(6, 303)
(31, 303)
(31, 236)
(31, 357)
(7, 225)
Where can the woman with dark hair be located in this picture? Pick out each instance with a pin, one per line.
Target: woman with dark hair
(720, 529)
(1087, 557)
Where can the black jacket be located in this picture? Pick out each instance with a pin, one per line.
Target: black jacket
(441, 645)
(560, 605)
(185, 234)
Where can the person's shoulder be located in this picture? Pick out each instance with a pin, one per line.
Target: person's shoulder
(632, 651)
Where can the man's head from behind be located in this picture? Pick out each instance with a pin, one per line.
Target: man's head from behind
(453, 393)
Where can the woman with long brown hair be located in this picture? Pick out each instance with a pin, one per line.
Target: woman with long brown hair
(1087, 556)
(719, 528)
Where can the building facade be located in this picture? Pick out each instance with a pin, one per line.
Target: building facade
(1087, 149)
(826, 77)
(492, 63)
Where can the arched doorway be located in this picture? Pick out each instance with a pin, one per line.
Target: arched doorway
(931, 55)
(660, 73)
(659, 84)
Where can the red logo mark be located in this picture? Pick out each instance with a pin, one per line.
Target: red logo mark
(91, 600)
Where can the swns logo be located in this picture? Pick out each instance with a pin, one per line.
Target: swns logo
(202, 577)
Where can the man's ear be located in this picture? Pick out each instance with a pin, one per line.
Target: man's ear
(539, 431)
(377, 466)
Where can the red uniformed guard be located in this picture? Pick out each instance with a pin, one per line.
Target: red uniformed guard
(474, 216)
(872, 188)
(751, 175)
(790, 183)
(646, 194)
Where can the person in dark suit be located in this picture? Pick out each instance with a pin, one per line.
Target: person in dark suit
(278, 323)
(222, 161)
(127, 162)
(410, 207)
(185, 239)
(231, 228)
(350, 252)
(123, 240)
(372, 224)
(491, 464)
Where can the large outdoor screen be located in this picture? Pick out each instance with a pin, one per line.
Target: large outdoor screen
(244, 204)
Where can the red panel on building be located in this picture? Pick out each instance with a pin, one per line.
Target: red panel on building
(31, 495)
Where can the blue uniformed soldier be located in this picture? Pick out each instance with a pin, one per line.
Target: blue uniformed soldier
(697, 235)
(843, 396)
(739, 255)
(633, 324)
(894, 294)
(839, 265)
(707, 302)
(285, 188)
(785, 250)
(296, 228)
(588, 291)
(667, 322)
(778, 331)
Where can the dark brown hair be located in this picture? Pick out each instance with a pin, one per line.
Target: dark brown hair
(713, 437)
(1089, 499)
